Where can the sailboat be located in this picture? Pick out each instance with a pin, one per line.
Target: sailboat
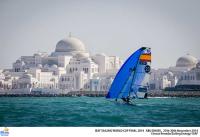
(132, 80)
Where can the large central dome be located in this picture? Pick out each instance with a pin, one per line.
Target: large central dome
(186, 61)
(70, 44)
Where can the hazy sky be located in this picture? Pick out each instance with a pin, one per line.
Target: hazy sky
(114, 27)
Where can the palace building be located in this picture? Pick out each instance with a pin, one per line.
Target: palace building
(70, 67)
(186, 72)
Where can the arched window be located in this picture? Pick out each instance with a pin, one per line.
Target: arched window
(181, 77)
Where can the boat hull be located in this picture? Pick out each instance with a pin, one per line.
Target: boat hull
(142, 95)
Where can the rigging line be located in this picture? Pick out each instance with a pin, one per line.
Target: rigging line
(123, 86)
(134, 77)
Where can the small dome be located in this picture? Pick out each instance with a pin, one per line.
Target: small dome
(26, 75)
(39, 65)
(54, 66)
(36, 54)
(186, 61)
(18, 61)
(170, 74)
(70, 44)
(198, 65)
(46, 66)
(101, 54)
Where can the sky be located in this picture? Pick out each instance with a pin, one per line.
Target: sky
(114, 27)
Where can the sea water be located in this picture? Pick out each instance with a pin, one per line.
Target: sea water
(98, 111)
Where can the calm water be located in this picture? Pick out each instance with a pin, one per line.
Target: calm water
(97, 111)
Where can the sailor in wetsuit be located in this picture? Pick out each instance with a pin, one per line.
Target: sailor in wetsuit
(127, 100)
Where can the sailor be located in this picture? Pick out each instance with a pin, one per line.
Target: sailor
(124, 99)
(127, 100)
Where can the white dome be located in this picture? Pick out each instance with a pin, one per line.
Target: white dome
(198, 65)
(18, 61)
(186, 61)
(46, 66)
(39, 65)
(26, 75)
(170, 74)
(101, 54)
(70, 44)
(54, 66)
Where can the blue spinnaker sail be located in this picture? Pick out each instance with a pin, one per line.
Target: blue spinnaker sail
(124, 80)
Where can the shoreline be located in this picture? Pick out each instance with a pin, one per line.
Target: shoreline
(182, 94)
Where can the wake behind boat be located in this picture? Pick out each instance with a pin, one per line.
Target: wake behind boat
(132, 80)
